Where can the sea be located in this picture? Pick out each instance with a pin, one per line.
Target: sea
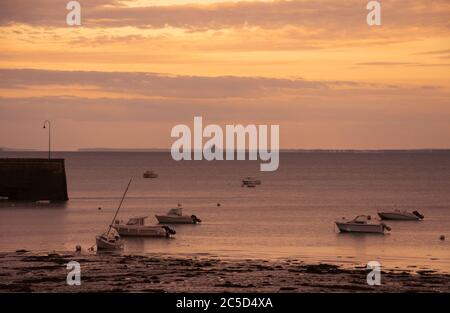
(289, 216)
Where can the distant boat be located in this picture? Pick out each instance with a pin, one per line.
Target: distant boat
(150, 174)
(175, 216)
(401, 215)
(136, 227)
(250, 182)
(110, 240)
(361, 224)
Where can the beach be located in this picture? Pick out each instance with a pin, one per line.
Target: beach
(24, 271)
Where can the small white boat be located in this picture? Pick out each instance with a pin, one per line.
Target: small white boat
(175, 216)
(361, 224)
(250, 182)
(136, 227)
(150, 174)
(401, 215)
(109, 241)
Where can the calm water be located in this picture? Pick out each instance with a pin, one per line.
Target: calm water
(290, 215)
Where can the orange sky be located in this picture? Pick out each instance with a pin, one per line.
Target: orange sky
(134, 69)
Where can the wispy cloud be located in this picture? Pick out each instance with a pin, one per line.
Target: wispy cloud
(182, 87)
(435, 52)
(386, 63)
(327, 14)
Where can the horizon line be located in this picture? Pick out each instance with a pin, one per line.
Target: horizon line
(373, 150)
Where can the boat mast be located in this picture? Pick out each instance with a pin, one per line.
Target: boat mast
(120, 204)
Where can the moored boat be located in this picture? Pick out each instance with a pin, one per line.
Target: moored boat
(135, 227)
(250, 182)
(175, 216)
(109, 241)
(401, 215)
(361, 224)
(150, 174)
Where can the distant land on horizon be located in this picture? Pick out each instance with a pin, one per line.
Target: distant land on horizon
(423, 150)
(123, 150)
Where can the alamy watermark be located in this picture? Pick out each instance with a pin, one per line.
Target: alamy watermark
(74, 276)
(374, 16)
(235, 143)
(74, 16)
(374, 276)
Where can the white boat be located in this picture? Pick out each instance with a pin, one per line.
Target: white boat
(401, 215)
(361, 224)
(136, 227)
(150, 174)
(250, 182)
(109, 241)
(175, 216)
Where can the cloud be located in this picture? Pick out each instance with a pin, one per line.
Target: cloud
(387, 63)
(159, 85)
(434, 52)
(321, 14)
(440, 54)
(311, 113)
(155, 95)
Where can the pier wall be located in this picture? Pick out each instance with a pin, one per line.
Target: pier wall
(33, 179)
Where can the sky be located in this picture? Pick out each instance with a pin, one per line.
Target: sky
(135, 69)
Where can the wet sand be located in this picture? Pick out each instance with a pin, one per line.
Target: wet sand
(24, 271)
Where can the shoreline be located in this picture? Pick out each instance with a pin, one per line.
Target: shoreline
(24, 271)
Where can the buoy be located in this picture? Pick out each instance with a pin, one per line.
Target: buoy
(218, 204)
(78, 248)
(442, 237)
(99, 208)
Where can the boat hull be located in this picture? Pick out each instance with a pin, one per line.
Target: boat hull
(400, 216)
(250, 182)
(360, 228)
(150, 176)
(106, 245)
(166, 219)
(145, 231)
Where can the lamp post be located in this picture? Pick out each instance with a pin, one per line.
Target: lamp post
(49, 135)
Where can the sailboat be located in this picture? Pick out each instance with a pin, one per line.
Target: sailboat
(110, 240)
